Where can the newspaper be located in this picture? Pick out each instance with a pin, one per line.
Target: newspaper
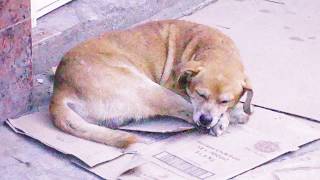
(172, 155)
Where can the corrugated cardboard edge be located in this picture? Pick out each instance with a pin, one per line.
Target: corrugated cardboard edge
(16, 130)
(19, 131)
(129, 165)
(164, 124)
(137, 128)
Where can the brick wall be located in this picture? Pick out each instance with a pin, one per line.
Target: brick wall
(15, 58)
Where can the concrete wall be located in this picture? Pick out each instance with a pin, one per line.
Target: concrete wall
(15, 58)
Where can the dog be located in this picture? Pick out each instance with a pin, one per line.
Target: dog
(163, 68)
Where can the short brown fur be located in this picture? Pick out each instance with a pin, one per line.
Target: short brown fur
(137, 73)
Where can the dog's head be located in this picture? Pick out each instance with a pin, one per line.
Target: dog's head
(214, 87)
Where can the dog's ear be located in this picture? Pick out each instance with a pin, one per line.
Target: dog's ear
(185, 77)
(185, 73)
(247, 89)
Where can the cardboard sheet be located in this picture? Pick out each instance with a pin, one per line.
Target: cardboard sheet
(192, 155)
(150, 171)
(306, 166)
(198, 156)
(279, 44)
(113, 169)
(105, 161)
(163, 125)
(188, 154)
(39, 126)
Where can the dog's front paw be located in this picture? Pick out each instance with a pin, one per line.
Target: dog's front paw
(220, 127)
(238, 116)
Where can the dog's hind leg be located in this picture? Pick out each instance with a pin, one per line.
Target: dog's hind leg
(71, 122)
(141, 98)
(163, 101)
(174, 105)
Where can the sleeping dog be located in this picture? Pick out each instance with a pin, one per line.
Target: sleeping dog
(173, 68)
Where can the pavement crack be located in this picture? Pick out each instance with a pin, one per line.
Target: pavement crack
(276, 2)
(28, 164)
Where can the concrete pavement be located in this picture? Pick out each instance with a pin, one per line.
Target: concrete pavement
(279, 43)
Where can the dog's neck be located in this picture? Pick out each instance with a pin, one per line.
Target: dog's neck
(183, 45)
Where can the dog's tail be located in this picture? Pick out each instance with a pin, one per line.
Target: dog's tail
(69, 121)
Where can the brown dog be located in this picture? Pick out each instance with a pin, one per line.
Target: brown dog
(157, 68)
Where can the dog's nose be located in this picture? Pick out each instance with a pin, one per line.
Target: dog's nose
(205, 120)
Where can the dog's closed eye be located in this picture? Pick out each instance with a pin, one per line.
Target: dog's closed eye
(202, 94)
(225, 99)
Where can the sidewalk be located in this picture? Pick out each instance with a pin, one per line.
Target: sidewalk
(279, 43)
(24, 158)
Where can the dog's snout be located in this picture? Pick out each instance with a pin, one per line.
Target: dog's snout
(205, 120)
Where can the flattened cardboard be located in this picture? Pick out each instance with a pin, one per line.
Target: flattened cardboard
(306, 166)
(150, 171)
(202, 156)
(39, 126)
(163, 125)
(113, 169)
(105, 161)
(279, 44)
(192, 155)
(243, 147)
